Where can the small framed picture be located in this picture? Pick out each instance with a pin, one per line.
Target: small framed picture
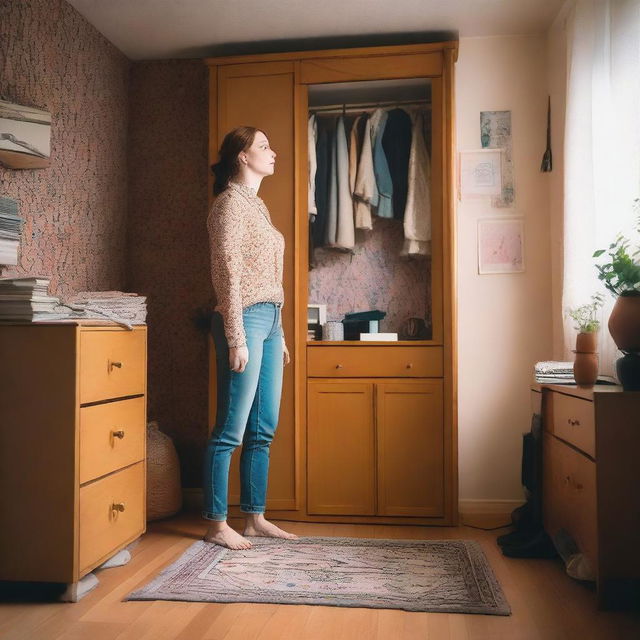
(500, 245)
(480, 173)
(316, 314)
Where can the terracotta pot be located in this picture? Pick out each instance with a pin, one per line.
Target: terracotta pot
(624, 323)
(585, 369)
(587, 342)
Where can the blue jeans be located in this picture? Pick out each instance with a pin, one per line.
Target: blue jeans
(248, 405)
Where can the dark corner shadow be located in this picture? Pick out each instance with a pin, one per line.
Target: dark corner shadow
(320, 42)
(12, 592)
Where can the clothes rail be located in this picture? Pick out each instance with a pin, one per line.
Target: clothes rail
(364, 106)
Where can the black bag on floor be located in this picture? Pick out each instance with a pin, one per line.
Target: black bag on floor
(529, 540)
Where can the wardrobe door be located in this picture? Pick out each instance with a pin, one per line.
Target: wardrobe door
(262, 95)
(340, 448)
(409, 428)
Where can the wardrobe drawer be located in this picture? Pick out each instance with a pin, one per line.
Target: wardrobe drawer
(111, 514)
(378, 361)
(569, 495)
(112, 364)
(112, 436)
(573, 421)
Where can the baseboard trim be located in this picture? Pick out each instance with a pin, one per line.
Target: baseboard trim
(487, 513)
(477, 513)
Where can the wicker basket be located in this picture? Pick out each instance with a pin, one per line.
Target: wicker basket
(164, 494)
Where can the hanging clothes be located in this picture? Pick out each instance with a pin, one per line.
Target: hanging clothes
(417, 214)
(396, 143)
(339, 230)
(366, 190)
(324, 150)
(312, 139)
(356, 139)
(380, 165)
(345, 233)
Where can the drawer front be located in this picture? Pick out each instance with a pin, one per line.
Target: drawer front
(103, 528)
(112, 364)
(112, 436)
(359, 362)
(573, 421)
(569, 495)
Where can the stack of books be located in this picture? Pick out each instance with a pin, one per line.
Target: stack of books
(27, 300)
(10, 229)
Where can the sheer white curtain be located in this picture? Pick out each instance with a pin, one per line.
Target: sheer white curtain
(602, 149)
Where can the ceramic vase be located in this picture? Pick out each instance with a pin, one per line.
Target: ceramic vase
(624, 323)
(624, 327)
(585, 366)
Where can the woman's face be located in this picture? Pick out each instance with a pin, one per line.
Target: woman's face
(260, 158)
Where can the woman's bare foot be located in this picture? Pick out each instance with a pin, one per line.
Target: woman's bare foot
(258, 526)
(221, 533)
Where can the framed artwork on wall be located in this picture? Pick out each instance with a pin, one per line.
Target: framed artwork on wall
(480, 173)
(500, 245)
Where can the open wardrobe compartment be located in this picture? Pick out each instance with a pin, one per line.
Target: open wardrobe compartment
(363, 194)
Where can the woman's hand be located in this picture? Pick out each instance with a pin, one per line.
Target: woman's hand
(238, 358)
(285, 353)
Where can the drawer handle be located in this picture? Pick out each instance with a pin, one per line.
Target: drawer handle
(338, 366)
(117, 506)
(118, 434)
(573, 423)
(410, 365)
(114, 364)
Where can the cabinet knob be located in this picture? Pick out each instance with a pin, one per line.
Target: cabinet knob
(115, 364)
(118, 434)
(409, 365)
(338, 366)
(573, 423)
(117, 506)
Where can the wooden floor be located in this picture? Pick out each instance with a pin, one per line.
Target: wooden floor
(546, 604)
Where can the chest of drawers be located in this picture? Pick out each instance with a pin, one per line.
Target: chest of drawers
(591, 473)
(72, 447)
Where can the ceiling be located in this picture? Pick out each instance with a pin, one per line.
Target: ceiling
(161, 29)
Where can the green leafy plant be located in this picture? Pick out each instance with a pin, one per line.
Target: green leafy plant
(584, 316)
(621, 275)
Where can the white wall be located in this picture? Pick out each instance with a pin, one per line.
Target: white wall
(504, 321)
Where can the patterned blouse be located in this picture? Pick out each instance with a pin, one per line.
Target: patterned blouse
(247, 254)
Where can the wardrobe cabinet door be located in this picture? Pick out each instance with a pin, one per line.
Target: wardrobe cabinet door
(262, 95)
(409, 430)
(340, 448)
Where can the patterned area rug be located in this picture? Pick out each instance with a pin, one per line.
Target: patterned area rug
(415, 575)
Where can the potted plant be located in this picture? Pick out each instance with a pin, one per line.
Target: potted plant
(621, 276)
(586, 323)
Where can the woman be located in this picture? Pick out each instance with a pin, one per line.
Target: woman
(246, 268)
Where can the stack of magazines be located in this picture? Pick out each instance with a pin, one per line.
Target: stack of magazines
(121, 307)
(552, 372)
(10, 229)
(27, 300)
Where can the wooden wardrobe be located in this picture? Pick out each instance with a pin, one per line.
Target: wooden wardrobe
(368, 430)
